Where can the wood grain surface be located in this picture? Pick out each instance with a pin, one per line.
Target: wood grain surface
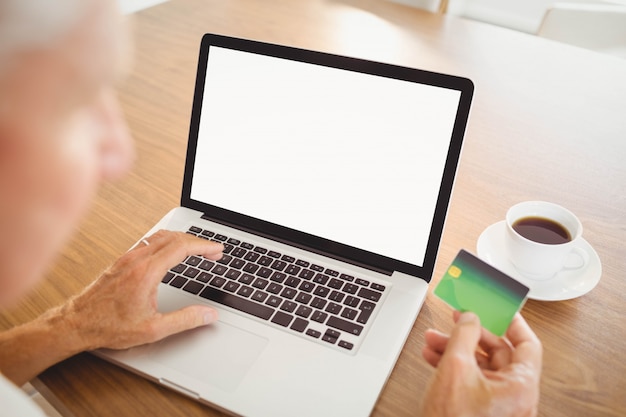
(548, 123)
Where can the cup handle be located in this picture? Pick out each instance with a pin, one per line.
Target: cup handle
(578, 258)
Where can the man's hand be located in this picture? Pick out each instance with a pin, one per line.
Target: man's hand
(116, 311)
(119, 309)
(480, 374)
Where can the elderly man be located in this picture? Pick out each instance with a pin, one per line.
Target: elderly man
(61, 133)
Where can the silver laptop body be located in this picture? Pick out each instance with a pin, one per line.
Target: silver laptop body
(302, 160)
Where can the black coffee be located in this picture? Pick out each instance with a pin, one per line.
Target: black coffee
(542, 230)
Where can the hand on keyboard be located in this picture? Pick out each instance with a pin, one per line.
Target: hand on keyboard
(118, 310)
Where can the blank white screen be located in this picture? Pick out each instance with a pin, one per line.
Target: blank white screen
(351, 157)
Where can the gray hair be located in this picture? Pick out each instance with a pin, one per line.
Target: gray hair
(27, 25)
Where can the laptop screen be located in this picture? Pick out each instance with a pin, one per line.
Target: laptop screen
(355, 158)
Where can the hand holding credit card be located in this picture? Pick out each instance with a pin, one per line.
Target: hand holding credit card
(470, 284)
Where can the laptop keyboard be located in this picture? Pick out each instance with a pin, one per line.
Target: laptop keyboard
(317, 302)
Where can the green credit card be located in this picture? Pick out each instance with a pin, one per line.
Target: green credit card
(470, 284)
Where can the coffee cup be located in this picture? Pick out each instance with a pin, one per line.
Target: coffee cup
(541, 239)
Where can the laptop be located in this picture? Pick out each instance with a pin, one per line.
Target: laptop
(327, 178)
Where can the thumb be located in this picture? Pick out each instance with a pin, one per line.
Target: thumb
(464, 338)
(185, 319)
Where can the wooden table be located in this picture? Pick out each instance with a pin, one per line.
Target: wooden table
(548, 122)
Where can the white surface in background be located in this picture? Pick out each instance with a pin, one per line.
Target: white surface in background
(132, 6)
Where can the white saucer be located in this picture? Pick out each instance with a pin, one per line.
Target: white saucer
(564, 285)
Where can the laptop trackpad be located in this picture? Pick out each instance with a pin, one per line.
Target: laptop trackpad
(219, 354)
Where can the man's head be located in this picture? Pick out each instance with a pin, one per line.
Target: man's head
(61, 130)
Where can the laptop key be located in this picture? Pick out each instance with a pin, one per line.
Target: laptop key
(217, 281)
(369, 294)
(313, 333)
(178, 282)
(331, 272)
(260, 283)
(345, 345)
(304, 311)
(264, 272)
(191, 272)
(260, 250)
(289, 293)
(219, 269)
(303, 298)
(344, 325)
(287, 258)
(233, 274)
(282, 318)
(292, 269)
(300, 262)
(319, 316)
(278, 276)
(193, 287)
(246, 279)
(251, 268)
(331, 336)
(306, 274)
(349, 313)
(274, 288)
(307, 286)
(288, 306)
(346, 277)
(225, 259)
(321, 291)
(251, 256)
(278, 265)
(237, 263)
(274, 301)
(193, 260)
(259, 296)
(335, 283)
(204, 277)
(351, 301)
(336, 296)
(320, 279)
(318, 302)
(231, 286)
(206, 265)
(350, 288)
(299, 325)
(258, 310)
(366, 308)
(245, 291)
(333, 308)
